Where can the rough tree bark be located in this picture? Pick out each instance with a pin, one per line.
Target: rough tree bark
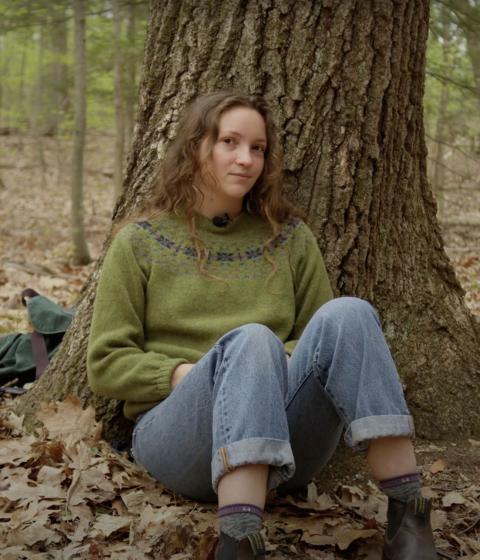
(346, 82)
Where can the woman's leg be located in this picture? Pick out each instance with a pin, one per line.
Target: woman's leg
(247, 484)
(391, 457)
(173, 440)
(342, 372)
(224, 426)
(341, 375)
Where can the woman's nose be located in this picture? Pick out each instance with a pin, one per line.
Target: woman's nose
(244, 157)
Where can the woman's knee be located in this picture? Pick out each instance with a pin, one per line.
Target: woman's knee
(254, 335)
(254, 352)
(347, 308)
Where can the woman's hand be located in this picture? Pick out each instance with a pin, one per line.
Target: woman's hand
(179, 373)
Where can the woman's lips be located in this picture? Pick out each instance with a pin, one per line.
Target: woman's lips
(242, 175)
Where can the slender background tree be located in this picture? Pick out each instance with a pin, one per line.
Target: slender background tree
(451, 114)
(119, 98)
(80, 250)
(39, 74)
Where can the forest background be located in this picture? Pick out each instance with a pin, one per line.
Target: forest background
(41, 197)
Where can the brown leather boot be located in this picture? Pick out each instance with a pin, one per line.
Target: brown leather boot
(409, 534)
(249, 548)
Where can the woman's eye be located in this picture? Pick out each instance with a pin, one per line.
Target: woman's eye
(259, 149)
(227, 140)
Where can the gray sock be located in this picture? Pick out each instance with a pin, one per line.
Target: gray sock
(240, 525)
(240, 520)
(406, 492)
(403, 488)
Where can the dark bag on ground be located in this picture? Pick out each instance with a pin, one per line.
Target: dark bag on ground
(24, 356)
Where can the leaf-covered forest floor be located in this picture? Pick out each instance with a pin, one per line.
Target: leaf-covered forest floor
(64, 493)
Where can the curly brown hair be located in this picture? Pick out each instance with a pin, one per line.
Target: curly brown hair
(175, 188)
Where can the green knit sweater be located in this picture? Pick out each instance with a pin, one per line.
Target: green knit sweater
(154, 310)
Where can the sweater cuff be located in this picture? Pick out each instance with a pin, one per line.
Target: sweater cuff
(165, 375)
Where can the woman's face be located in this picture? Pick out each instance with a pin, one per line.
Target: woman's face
(238, 154)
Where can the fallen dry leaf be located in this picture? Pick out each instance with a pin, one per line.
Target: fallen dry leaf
(438, 466)
(106, 524)
(453, 498)
(67, 420)
(438, 519)
(22, 489)
(16, 451)
(320, 540)
(345, 537)
(428, 492)
(134, 500)
(17, 552)
(82, 518)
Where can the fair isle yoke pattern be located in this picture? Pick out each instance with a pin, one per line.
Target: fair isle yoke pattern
(221, 256)
(162, 242)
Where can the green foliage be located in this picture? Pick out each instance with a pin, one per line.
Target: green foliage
(37, 69)
(31, 55)
(448, 66)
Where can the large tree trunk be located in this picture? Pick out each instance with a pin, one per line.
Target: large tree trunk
(345, 80)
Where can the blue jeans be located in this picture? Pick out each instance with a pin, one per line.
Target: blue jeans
(246, 402)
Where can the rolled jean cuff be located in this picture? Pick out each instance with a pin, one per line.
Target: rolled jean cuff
(359, 432)
(255, 451)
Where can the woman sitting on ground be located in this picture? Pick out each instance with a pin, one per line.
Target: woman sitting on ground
(215, 322)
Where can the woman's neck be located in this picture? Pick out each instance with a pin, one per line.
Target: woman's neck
(210, 207)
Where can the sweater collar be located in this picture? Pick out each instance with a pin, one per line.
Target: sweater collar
(206, 225)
